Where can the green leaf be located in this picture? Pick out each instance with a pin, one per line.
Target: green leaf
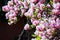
(32, 26)
(51, 1)
(35, 13)
(33, 35)
(38, 38)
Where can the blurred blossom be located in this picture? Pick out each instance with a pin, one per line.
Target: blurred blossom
(55, 11)
(32, 5)
(26, 14)
(36, 32)
(10, 3)
(41, 6)
(48, 5)
(42, 1)
(23, 10)
(33, 1)
(15, 1)
(39, 15)
(26, 27)
(7, 15)
(19, 3)
(56, 0)
(35, 23)
(32, 19)
(25, 3)
(40, 27)
(5, 8)
(56, 5)
(57, 23)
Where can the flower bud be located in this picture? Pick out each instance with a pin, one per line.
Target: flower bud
(26, 27)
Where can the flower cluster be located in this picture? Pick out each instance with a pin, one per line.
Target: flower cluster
(43, 17)
(14, 8)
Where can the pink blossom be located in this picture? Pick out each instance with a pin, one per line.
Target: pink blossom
(15, 1)
(57, 23)
(41, 6)
(40, 27)
(52, 23)
(41, 34)
(5, 8)
(26, 14)
(33, 1)
(49, 31)
(36, 32)
(10, 7)
(10, 3)
(48, 5)
(23, 10)
(32, 19)
(56, 5)
(39, 15)
(26, 27)
(7, 15)
(25, 3)
(42, 1)
(19, 3)
(35, 23)
(32, 5)
(46, 24)
(56, 0)
(55, 11)
(29, 13)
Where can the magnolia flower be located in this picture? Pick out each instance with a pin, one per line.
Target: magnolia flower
(23, 10)
(26, 27)
(41, 34)
(15, 1)
(25, 3)
(5, 8)
(40, 27)
(57, 23)
(35, 23)
(7, 15)
(32, 5)
(56, 0)
(48, 5)
(49, 31)
(33, 1)
(39, 15)
(29, 13)
(42, 1)
(10, 3)
(19, 3)
(41, 6)
(43, 38)
(26, 14)
(52, 23)
(36, 32)
(56, 5)
(55, 11)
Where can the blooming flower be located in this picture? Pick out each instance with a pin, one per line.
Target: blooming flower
(5, 8)
(33, 1)
(40, 27)
(35, 23)
(26, 27)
